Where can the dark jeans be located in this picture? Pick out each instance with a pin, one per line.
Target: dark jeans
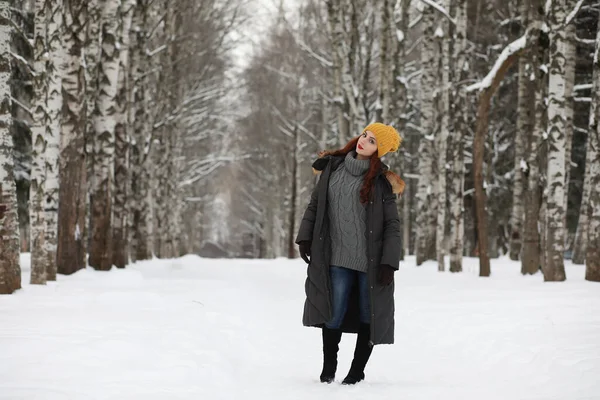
(342, 280)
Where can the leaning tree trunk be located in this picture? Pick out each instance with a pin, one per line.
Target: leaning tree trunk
(554, 267)
(456, 195)
(120, 237)
(425, 236)
(72, 197)
(104, 141)
(530, 257)
(524, 126)
(54, 108)
(39, 144)
(592, 271)
(10, 271)
(488, 87)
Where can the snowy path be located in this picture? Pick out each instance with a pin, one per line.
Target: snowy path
(220, 329)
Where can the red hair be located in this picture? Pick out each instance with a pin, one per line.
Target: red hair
(374, 168)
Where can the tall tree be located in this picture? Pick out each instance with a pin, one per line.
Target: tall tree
(55, 67)
(10, 271)
(39, 144)
(101, 200)
(456, 192)
(592, 257)
(122, 132)
(425, 241)
(537, 43)
(524, 126)
(72, 197)
(554, 268)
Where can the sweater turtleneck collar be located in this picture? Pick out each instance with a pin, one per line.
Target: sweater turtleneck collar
(354, 166)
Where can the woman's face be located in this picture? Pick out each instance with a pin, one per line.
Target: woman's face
(367, 144)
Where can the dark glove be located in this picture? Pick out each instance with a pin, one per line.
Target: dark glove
(386, 274)
(304, 250)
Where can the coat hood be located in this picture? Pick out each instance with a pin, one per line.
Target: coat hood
(395, 181)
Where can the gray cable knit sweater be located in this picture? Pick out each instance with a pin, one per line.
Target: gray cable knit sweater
(347, 216)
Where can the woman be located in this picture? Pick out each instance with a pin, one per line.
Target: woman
(350, 237)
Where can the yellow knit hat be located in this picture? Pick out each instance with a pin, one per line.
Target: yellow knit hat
(387, 137)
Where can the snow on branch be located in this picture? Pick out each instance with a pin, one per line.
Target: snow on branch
(508, 51)
(583, 86)
(574, 12)
(440, 9)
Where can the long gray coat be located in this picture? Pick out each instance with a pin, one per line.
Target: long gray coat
(383, 247)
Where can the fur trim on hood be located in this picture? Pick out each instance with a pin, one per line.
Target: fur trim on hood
(395, 181)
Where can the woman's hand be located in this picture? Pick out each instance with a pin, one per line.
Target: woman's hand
(386, 275)
(304, 250)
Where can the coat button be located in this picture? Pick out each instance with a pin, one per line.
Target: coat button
(370, 231)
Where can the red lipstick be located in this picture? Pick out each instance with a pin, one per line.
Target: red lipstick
(360, 147)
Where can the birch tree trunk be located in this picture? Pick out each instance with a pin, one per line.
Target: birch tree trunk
(456, 196)
(55, 71)
(10, 270)
(570, 49)
(140, 176)
(524, 126)
(443, 140)
(554, 268)
(72, 197)
(424, 190)
(592, 257)
(530, 261)
(335, 27)
(120, 237)
(385, 64)
(92, 56)
(39, 144)
(104, 141)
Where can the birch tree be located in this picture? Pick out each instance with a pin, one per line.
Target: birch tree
(456, 192)
(530, 262)
(72, 196)
(425, 241)
(39, 144)
(553, 268)
(54, 109)
(10, 271)
(592, 257)
(101, 200)
(442, 147)
(121, 159)
(524, 126)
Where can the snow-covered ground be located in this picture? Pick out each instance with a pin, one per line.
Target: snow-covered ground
(194, 328)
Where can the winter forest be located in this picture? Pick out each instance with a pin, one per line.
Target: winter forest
(155, 165)
(133, 129)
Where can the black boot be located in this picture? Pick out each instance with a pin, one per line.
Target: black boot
(331, 341)
(362, 352)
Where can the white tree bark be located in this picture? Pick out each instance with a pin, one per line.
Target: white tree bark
(10, 270)
(139, 198)
(592, 271)
(553, 268)
(456, 192)
(39, 144)
(530, 261)
(72, 199)
(425, 237)
(571, 58)
(524, 126)
(104, 141)
(55, 70)
(120, 237)
(444, 108)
